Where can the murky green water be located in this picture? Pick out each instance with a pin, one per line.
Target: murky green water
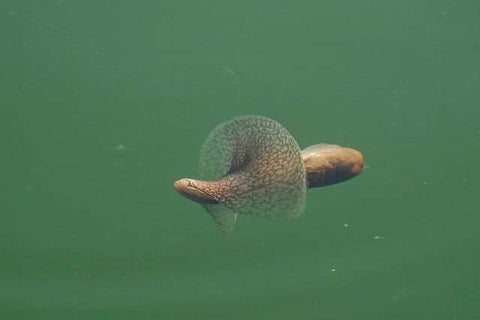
(105, 104)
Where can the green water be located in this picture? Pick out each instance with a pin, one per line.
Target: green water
(103, 104)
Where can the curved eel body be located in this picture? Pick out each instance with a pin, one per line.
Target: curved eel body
(325, 164)
(252, 165)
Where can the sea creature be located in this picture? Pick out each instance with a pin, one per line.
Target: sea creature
(251, 165)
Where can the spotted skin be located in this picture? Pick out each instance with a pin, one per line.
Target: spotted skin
(252, 166)
(258, 167)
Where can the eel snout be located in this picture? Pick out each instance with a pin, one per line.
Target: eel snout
(196, 190)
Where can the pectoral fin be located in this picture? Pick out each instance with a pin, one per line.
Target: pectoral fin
(224, 218)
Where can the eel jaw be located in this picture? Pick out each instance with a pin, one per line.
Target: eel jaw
(195, 190)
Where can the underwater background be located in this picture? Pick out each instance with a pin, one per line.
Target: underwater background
(104, 104)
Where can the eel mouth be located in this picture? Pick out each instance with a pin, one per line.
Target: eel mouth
(194, 190)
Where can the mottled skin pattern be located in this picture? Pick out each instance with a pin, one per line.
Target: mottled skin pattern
(258, 168)
(253, 166)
